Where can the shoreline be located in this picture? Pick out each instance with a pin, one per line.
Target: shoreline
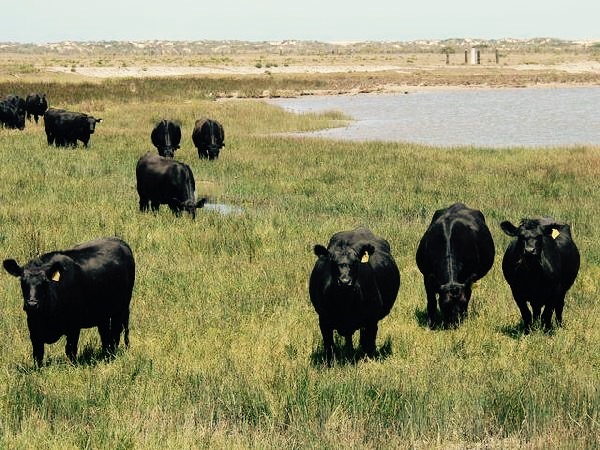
(358, 79)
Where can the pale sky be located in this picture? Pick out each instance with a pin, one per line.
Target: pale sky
(41, 21)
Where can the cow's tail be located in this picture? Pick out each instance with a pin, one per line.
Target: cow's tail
(126, 329)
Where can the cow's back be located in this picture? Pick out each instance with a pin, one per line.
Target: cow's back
(163, 179)
(106, 263)
(460, 232)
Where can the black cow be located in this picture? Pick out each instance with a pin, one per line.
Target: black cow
(456, 250)
(162, 180)
(12, 112)
(540, 266)
(65, 128)
(166, 137)
(208, 137)
(36, 105)
(87, 286)
(353, 285)
(9, 118)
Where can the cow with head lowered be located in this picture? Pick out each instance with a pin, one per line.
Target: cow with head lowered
(36, 105)
(64, 128)
(12, 112)
(540, 265)
(208, 137)
(166, 136)
(162, 181)
(87, 286)
(353, 285)
(456, 250)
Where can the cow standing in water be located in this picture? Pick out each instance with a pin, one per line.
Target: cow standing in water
(87, 286)
(540, 266)
(353, 285)
(456, 250)
(208, 137)
(166, 137)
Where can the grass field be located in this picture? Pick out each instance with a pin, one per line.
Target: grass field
(225, 347)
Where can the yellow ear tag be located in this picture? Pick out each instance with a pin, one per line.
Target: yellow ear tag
(56, 276)
(555, 233)
(365, 258)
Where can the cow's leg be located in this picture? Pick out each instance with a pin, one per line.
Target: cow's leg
(38, 351)
(71, 347)
(154, 205)
(560, 304)
(547, 314)
(202, 153)
(521, 302)
(368, 337)
(431, 304)
(106, 337)
(327, 333)
(36, 117)
(348, 346)
(118, 324)
(50, 138)
(144, 203)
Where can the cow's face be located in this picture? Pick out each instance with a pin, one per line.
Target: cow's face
(345, 261)
(39, 284)
(213, 151)
(454, 301)
(530, 236)
(167, 152)
(92, 123)
(190, 206)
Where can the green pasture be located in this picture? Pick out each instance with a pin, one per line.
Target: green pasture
(225, 347)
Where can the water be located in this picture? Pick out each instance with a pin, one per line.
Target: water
(507, 117)
(223, 208)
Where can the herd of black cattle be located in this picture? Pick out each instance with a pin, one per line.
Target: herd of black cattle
(354, 282)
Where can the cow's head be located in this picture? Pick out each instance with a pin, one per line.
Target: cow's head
(530, 236)
(213, 151)
(92, 123)
(345, 261)
(454, 300)
(189, 206)
(41, 282)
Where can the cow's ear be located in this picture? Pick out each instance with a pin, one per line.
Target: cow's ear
(321, 251)
(55, 272)
(509, 228)
(12, 267)
(365, 250)
(555, 229)
(98, 120)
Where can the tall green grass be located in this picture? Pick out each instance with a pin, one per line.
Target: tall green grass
(225, 348)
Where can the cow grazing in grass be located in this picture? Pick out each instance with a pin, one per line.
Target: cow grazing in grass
(162, 181)
(36, 105)
(87, 286)
(65, 128)
(456, 250)
(166, 136)
(540, 265)
(12, 112)
(208, 137)
(353, 285)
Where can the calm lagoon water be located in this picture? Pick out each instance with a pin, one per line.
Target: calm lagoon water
(506, 117)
